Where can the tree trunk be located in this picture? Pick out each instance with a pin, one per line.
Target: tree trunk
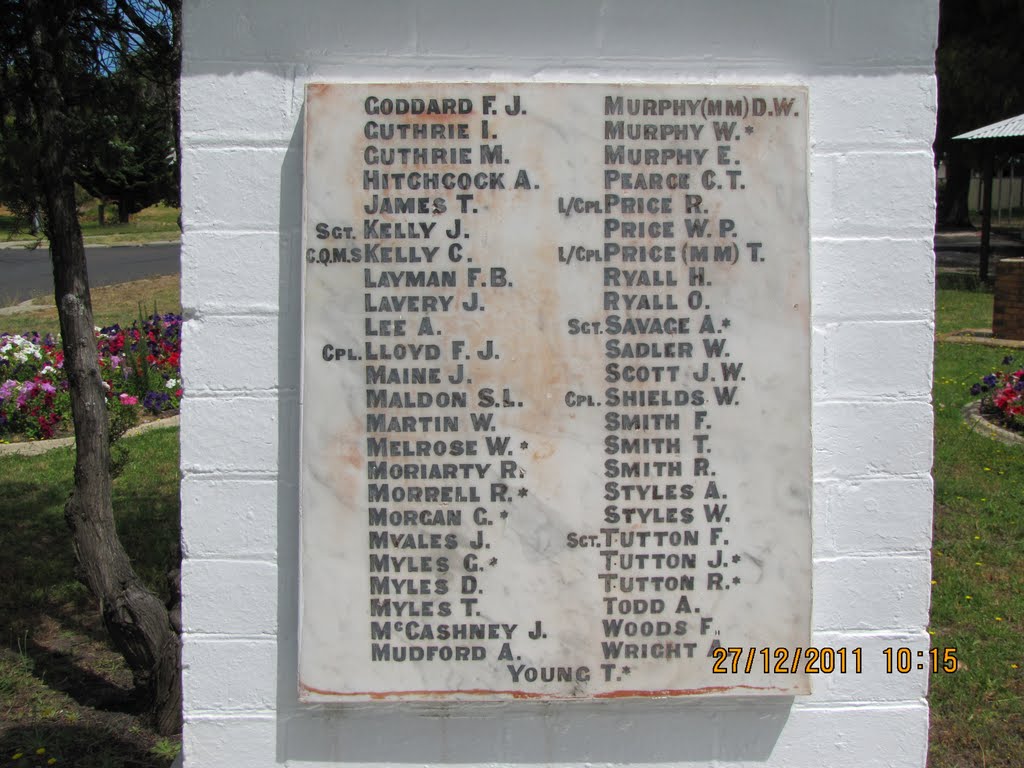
(953, 208)
(988, 165)
(138, 622)
(122, 213)
(101, 214)
(175, 6)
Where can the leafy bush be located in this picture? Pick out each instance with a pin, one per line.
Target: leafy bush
(140, 365)
(34, 397)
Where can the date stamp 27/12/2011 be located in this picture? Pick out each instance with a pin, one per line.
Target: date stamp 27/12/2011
(827, 660)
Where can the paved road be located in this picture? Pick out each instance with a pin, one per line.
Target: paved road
(25, 274)
(960, 250)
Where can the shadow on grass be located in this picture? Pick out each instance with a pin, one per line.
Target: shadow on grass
(61, 682)
(37, 567)
(61, 671)
(51, 618)
(81, 745)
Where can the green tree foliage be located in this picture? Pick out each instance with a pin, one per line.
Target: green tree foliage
(126, 155)
(120, 105)
(19, 189)
(979, 63)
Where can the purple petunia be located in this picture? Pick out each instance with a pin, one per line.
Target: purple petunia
(154, 402)
(136, 363)
(27, 390)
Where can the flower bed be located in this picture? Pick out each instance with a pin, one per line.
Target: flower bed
(140, 365)
(1002, 397)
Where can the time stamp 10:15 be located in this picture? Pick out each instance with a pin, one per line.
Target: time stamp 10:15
(826, 660)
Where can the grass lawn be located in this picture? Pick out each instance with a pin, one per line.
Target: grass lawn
(154, 224)
(956, 310)
(62, 688)
(977, 716)
(111, 304)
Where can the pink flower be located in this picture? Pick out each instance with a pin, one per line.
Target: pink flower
(127, 399)
(27, 390)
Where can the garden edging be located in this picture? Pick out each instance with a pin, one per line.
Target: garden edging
(36, 447)
(972, 414)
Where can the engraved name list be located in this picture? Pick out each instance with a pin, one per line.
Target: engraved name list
(555, 390)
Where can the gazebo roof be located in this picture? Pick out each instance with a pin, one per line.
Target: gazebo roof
(1004, 129)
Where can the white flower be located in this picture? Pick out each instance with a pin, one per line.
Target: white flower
(171, 384)
(21, 349)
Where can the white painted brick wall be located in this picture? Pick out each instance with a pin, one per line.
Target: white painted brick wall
(868, 68)
(229, 516)
(232, 273)
(232, 597)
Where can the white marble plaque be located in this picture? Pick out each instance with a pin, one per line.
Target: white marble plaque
(555, 392)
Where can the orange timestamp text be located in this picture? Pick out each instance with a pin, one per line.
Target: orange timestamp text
(826, 660)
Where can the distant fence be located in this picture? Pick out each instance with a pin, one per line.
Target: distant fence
(1007, 192)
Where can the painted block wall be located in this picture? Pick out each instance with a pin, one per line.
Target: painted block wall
(868, 66)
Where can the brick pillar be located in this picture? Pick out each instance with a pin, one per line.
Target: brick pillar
(1008, 312)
